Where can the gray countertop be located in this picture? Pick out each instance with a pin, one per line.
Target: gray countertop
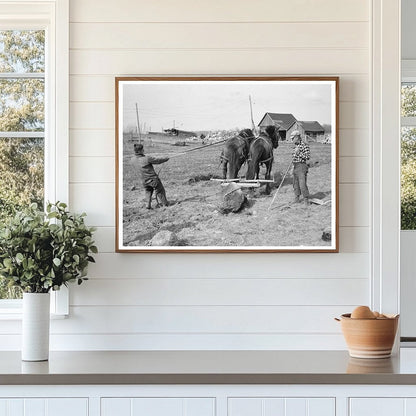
(207, 367)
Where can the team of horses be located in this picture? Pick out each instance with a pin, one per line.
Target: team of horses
(255, 151)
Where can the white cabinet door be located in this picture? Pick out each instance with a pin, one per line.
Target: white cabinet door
(44, 407)
(382, 407)
(269, 406)
(160, 406)
(377, 407)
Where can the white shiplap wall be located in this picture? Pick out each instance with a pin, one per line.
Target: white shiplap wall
(218, 301)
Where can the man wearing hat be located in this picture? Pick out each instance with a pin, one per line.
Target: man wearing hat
(301, 156)
(150, 179)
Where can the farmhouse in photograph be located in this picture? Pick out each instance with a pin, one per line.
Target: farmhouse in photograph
(287, 123)
(311, 129)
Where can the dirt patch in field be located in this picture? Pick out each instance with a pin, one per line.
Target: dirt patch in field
(194, 214)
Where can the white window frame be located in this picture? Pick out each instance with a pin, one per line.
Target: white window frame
(385, 150)
(53, 17)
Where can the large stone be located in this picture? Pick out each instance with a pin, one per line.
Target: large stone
(232, 198)
(327, 235)
(164, 238)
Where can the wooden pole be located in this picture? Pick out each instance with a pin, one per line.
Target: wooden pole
(280, 185)
(138, 123)
(284, 176)
(243, 180)
(251, 113)
(197, 148)
(246, 185)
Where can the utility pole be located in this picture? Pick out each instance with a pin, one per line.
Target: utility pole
(138, 123)
(251, 112)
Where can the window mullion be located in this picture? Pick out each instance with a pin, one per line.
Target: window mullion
(22, 75)
(408, 121)
(22, 134)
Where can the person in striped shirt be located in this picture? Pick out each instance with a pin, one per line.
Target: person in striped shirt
(301, 156)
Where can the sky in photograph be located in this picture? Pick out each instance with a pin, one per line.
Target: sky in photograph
(221, 106)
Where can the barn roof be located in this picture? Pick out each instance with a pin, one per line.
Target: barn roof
(311, 126)
(284, 120)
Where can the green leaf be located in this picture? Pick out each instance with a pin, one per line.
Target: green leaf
(7, 262)
(57, 262)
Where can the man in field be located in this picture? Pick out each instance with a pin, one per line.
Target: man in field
(150, 179)
(301, 156)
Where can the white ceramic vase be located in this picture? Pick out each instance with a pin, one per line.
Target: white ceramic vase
(35, 326)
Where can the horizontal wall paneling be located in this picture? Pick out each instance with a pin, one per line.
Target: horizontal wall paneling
(231, 61)
(99, 88)
(218, 11)
(221, 35)
(142, 291)
(266, 265)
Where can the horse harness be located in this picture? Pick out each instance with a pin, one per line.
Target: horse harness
(268, 142)
(241, 145)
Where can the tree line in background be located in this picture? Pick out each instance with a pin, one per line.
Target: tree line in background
(21, 109)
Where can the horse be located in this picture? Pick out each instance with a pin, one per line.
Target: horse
(261, 153)
(235, 153)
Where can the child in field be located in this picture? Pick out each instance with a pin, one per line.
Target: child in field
(149, 177)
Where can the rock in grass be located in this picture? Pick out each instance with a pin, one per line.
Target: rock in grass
(232, 198)
(326, 235)
(164, 238)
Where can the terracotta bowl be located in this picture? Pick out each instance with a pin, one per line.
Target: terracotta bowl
(369, 338)
(369, 366)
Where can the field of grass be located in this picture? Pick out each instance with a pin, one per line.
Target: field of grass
(194, 214)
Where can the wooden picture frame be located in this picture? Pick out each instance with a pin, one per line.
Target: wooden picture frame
(202, 125)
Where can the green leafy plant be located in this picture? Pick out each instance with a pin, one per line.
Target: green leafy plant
(408, 179)
(408, 196)
(43, 251)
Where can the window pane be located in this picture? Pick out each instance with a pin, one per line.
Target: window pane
(21, 182)
(21, 109)
(7, 292)
(22, 51)
(21, 173)
(408, 178)
(22, 105)
(408, 105)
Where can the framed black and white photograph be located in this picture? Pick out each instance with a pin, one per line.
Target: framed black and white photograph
(227, 164)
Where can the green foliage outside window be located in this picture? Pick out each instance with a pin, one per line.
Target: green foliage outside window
(408, 104)
(408, 160)
(408, 180)
(21, 110)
